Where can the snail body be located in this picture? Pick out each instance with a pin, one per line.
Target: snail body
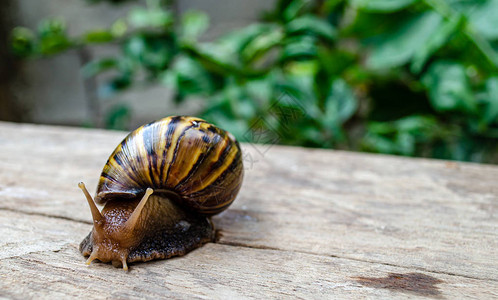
(159, 188)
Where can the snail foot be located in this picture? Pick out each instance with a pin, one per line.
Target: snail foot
(188, 234)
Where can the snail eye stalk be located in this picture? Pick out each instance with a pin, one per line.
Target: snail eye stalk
(97, 216)
(132, 221)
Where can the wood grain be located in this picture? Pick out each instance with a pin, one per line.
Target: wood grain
(51, 266)
(307, 223)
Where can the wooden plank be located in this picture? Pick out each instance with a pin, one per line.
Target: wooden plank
(48, 265)
(428, 215)
(422, 215)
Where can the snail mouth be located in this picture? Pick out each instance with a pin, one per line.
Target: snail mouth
(118, 256)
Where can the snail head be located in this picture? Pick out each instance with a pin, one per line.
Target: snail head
(114, 229)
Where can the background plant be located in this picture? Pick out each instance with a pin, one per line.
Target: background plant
(408, 77)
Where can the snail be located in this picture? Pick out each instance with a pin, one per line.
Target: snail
(159, 189)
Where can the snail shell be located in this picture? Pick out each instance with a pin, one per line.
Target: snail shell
(159, 187)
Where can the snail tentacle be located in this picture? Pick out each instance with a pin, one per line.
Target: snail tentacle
(92, 257)
(97, 216)
(123, 261)
(131, 222)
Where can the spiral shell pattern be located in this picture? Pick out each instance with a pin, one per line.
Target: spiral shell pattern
(196, 161)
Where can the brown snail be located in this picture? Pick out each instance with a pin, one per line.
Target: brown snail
(159, 187)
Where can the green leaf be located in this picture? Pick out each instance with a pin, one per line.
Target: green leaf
(437, 40)
(188, 77)
(484, 18)
(416, 124)
(381, 128)
(194, 23)
(237, 40)
(449, 88)
(335, 61)
(300, 47)
(98, 36)
(51, 27)
(382, 5)
(331, 5)
(215, 58)
(52, 35)
(405, 143)
(119, 28)
(54, 44)
(481, 26)
(294, 8)
(398, 47)
(491, 113)
(98, 66)
(341, 104)
(400, 136)
(153, 52)
(261, 44)
(119, 83)
(312, 25)
(118, 117)
(303, 67)
(238, 128)
(261, 90)
(297, 92)
(143, 18)
(22, 41)
(242, 106)
(378, 143)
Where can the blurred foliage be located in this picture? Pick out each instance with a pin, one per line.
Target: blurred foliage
(407, 77)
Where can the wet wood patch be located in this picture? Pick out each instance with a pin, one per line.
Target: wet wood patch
(413, 283)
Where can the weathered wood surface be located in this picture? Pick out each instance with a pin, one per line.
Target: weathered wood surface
(307, 224)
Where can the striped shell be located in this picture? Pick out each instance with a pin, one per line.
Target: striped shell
(186, 156)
